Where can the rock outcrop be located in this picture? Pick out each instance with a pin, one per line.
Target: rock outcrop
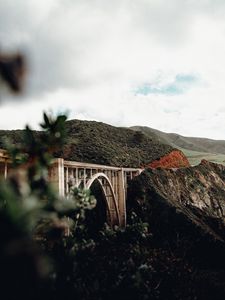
(201, 187)
(184, 206)
(174, 159)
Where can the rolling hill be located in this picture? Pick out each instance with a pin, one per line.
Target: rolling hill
(96, 142)
(194, 148)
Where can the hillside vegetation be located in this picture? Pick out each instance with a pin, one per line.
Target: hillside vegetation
(194, 148)
(95, 142)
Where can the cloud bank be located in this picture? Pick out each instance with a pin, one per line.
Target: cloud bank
(156, 63)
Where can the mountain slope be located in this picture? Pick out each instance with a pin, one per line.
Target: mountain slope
(195, 149)
(95, 142)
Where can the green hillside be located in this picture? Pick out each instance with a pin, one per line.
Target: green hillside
(195, 149)
(95, 142)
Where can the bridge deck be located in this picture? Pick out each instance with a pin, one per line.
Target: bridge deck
(70, 163)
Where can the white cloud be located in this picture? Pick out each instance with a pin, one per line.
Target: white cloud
(89, 56)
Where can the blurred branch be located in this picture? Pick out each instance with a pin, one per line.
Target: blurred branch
(13, 70)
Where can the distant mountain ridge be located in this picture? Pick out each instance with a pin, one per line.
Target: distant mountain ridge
(97, 142)
(194, 148)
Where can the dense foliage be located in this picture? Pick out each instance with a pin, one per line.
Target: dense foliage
(96, 142)
(30, 210)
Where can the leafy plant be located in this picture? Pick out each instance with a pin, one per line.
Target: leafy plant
(31, 211)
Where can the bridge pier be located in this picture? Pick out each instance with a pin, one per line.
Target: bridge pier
(4, 163)
(122, 198)
(56, 176)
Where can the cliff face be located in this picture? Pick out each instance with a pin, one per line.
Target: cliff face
(185, 211)
(201, 187)
(174, 159)
(185, 208)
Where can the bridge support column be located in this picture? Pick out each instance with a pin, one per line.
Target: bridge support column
(56, 176)
(121, 198)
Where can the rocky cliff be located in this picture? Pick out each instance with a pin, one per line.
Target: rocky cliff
(201, 187)
(185, 209)
(174, 159)
(196, 193)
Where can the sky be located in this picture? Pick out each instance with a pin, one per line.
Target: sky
(155, 63)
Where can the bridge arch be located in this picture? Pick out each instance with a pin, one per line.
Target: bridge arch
(112, 184)
(113, 215)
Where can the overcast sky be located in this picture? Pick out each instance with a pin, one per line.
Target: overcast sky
(157, 63)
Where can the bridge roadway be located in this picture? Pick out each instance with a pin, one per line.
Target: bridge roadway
(113, 181)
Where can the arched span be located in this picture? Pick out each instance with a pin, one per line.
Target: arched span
(98, 177)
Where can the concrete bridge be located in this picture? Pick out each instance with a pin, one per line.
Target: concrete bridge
(68, 174)
(113, 182)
